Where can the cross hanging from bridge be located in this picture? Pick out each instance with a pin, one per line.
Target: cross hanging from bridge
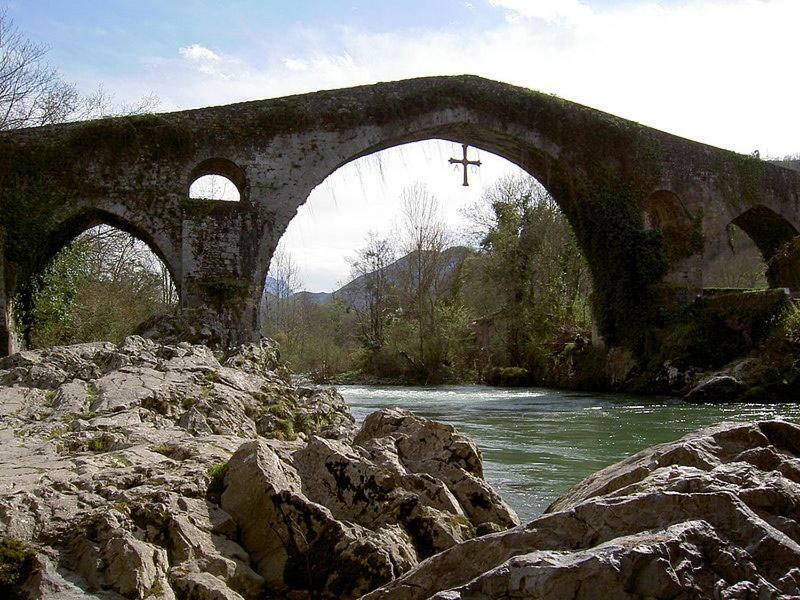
(465, 162)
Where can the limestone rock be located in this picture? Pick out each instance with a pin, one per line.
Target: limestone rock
(163, 471)
(717, 388)
(261, 358)
(436, 449)
(200, 326)
(354, 512)
(713, 515)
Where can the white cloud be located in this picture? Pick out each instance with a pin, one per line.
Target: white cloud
(719, 71)
(294, 64)
(209, 62)
(547, 10)
(198, 53)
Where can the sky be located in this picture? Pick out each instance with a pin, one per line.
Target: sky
(724, 72)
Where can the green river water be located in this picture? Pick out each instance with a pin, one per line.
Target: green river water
(537, 443)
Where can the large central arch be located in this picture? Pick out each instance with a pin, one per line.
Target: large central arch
(595, 200)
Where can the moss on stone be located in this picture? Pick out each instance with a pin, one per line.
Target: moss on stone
(225, 289)
(16, 565)
(216, 480)
(718, 329)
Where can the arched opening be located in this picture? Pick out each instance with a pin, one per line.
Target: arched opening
(217, 179)
(776, 240)
(443, 283)
(98, 284)
(734, 262)
(663, 210)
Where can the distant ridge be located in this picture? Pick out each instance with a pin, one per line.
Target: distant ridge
(352, 293)
(793, 163)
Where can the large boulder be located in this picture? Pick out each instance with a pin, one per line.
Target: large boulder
(360, 514)
(717, 389)
(200, 326)
(713, 515)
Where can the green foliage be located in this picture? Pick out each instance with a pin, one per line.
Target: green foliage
(750, 170)
(99, 443)
(155, 136)
(216, 479)
(789, 322)
(531, 280)
(508, 376)
(285, 429)
(99, 287)
(16, 564)
(719, 329)
(315, 339)
(175, 451)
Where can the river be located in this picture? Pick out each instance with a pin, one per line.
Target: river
(537, 443)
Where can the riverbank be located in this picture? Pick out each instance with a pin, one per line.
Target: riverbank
(742, 347)
(164, 471)
(537, 443)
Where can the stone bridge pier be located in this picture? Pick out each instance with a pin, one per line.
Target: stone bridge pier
(645, 205)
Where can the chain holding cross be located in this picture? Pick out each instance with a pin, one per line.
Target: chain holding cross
(465, 162)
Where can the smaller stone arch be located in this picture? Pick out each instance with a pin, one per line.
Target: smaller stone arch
(22, 289)
(681, 234)
(221, 167)
(71, 228)
(777, 240)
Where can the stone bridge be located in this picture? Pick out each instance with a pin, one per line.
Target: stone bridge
(644, 204)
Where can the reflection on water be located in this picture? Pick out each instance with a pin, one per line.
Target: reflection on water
(537, 443)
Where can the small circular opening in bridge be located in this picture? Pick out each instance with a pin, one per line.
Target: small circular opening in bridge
(217, 179)
(100, 285)
(214, 187)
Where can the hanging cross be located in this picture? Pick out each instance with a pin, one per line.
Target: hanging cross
(465, 163)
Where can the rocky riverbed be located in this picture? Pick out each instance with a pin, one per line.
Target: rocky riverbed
(147, 470)
(165, 470)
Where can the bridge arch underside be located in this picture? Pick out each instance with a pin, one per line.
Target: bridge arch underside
(602, 204)
(778, 241)
(22, 288)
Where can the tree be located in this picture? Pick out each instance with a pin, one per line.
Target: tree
(533, 282)
(32, 92)
(375, 302)
(423, 239)
(101, 286)
(277, 299)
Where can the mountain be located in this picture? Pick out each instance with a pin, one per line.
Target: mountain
(789, 162)
(352, 293)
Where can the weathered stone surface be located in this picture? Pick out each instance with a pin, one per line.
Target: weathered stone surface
(158, 471)
(361, 514)
(438, 450)
(717, 388)
(194, 326)
(713, 515)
